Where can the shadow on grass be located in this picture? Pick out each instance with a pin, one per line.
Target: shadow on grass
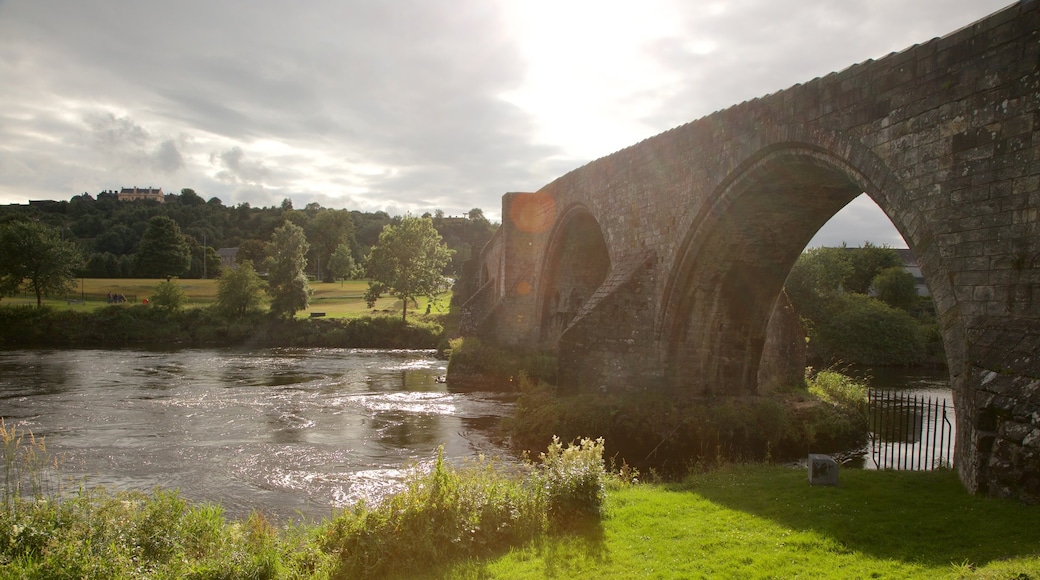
(922, 517)
(563, 551)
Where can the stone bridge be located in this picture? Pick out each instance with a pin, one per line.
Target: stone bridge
(659, 266)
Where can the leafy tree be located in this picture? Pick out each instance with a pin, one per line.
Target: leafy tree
(867, 262)
(240, 290)
(896, 287)
(341, 263)
(407, 262)
(327, 231)
(163, 251)
(169, 296)
(34, 256)
(816, 280)
(254, 251)
(286, 281)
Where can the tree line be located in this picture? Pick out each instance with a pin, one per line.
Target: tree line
(410, 257)
(109, 233)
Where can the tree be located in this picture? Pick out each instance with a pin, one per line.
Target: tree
(326, 232)
(867, 262)
(239, 290)
(341, 263)
(34, 256)
(407, 262)
(896, 287)
(286, 281)
(253, 250)
(169, 296)
(163, 251)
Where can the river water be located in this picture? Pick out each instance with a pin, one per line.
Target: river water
(294, 433)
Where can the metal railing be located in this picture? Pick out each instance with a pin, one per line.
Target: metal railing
(910, 431)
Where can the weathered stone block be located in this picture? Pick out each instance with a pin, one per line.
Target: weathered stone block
(823, 470)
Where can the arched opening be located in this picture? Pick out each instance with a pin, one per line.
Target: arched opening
(576, 264)
(736, 259)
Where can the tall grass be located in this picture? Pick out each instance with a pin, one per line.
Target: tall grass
(27, 465)
(672, 434)
(444, 514)
(447, 513)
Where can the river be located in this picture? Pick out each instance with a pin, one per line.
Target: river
(294, 433)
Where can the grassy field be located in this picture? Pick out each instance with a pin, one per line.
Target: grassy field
(335, 299)
(767, 522)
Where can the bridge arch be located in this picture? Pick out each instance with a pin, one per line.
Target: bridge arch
(742, 243)
(576, 263)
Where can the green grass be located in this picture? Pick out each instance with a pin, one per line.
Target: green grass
(336, 299)
(767, 522)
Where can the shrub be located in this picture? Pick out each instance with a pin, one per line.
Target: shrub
(469, 356)
(868, 332)
(169, 296)
(574, 478)
(445, 513)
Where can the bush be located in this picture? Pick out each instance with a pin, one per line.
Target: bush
(169, 296)
(865, 331)
(574, 478)
(470, 358)
(445, 514)
(670, 434)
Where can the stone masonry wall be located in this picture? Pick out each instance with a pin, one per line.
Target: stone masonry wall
(944, 136)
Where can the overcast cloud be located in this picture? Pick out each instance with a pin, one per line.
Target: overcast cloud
(403, 105)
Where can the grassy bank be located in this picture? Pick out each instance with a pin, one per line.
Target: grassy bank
(86, 319)
(767, 522)
(333, 299)
(755, 521)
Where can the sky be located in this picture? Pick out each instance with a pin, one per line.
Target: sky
(404, 106)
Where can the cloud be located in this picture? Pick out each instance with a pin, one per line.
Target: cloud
(410, 105)
(238, 170)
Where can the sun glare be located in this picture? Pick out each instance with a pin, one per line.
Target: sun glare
(591, 74)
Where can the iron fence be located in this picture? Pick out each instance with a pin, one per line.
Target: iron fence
(909, 431)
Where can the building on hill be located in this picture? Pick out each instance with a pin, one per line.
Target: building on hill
(135, 193)
(228, 257)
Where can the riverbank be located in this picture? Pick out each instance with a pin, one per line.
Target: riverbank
(143, 326)
(739, 521)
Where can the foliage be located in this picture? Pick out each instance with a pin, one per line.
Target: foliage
(838, 388)
(163, 250)
(99, 534)
(827, 288)
(869, 332)
(489, 365)
(128, 325)
(239, 290)
(168, 296)
(816, 280)
(33, 255)
(103, 225)
(867, 262)
(326, 232)
(574, 478)
(896, 287)
(407, 262)
(286, 282)
(668, 433)
(341, 263)
(446, 514)
(27, 466)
